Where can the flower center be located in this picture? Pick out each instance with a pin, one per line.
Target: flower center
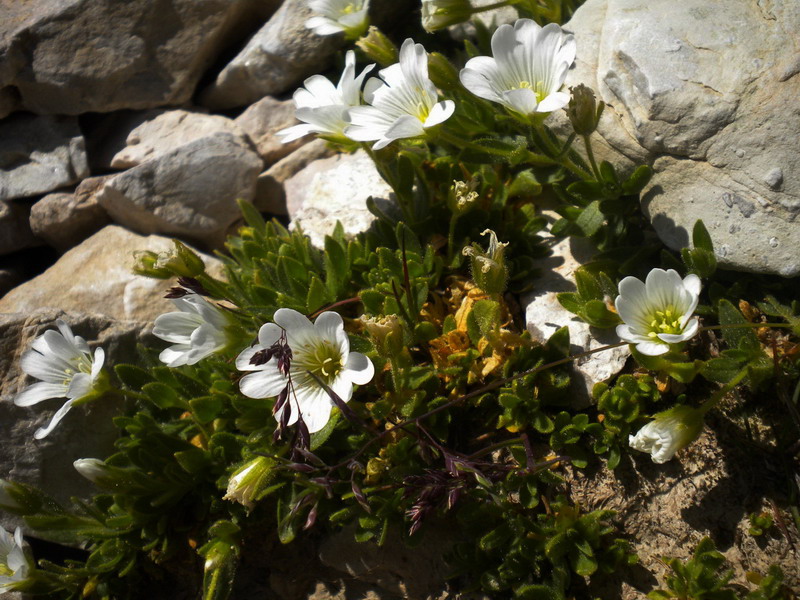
(79, 365)
(665, 321)
(536, 89)
(324, 360)
(5, 571)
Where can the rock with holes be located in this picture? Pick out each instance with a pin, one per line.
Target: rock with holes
(707, 94)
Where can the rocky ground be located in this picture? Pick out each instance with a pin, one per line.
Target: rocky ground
(114, 139)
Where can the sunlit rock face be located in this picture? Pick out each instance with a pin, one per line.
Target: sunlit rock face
(706, 93)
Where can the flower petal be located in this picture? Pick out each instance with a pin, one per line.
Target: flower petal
(43, 432)
(37, 392)
(265, 383)
(98, 362)
(43, 366)
(553, 102)
(299, 330)
(176, 327)
(359, 368)
(440, 112)
(243, 360)
(330, 327)
(176, 355)
(652, 348)
(269, 334)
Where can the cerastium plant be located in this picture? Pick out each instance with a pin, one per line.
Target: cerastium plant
(386, 382)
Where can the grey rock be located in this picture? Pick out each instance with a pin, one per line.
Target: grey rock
(705, 93)
(65, 220)
(270, 192)
(96, 277)
(544, 315)
(262, 120)
(190, 191)
(85, 432)
(336, 189)
(15, 231)
(283, 52)
(160, 131)
(76, 56)
(39, 155)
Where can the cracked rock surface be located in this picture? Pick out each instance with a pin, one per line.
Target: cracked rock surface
(705, 93)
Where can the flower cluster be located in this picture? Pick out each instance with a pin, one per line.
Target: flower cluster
(526, 75)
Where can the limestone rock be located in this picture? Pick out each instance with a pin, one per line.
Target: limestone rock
(706, 93)
(544, 315)
(160, 131)
(96, 277)
(270, 193)
(76, 56)
(39, 154)
(262, 120)
(15, 232)
(190, 191)
(65, 220)
(336, 189)
(283, 53)
(85, 432)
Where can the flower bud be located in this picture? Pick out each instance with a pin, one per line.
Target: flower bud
(378, 47)
(442, 72)
(146, 263)
(386, 332)
(668, 432)
(249, 481)
(583, 110)
(489, 271)
(462, 197)
(93, 469)
(438, 14)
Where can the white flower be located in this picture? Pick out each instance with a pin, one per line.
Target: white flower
(438, 14)
(64, 364)
(322, 348)
(670, 431)
(528, 69)
(14, 564)
(323, 107)
(657, 313)
(197, 331)
(349, 16)
(403, 101)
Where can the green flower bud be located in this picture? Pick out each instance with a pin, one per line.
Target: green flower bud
(583, 110)
(489, 271)
(386, 332)
(180, 262)
(378, 47)
(442, 72)
(438, 14)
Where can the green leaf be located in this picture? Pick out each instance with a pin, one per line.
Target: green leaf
(321, 436)
(206, 408)
(193, 461)
(162, 395)
(591, 219)
(559, 341)
(536, 592)
(251, 215)
(132, 376)
(701, 237)
(638, 179)
(571, 301)
(318, 295)
(744, 338)
(597, 314)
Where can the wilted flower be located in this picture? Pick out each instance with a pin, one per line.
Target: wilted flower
(658, 312)
(583, 110)
(462, 197)
(528, 69)
(197, 330)
(323, 107)
(248, 481)
(488, 266)
(668, 432)
(403, 101)
(64, 364)
(376, 46)
(181, 261)
(14, 564)
(438, 14)
(321, 348)
(348, 16)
